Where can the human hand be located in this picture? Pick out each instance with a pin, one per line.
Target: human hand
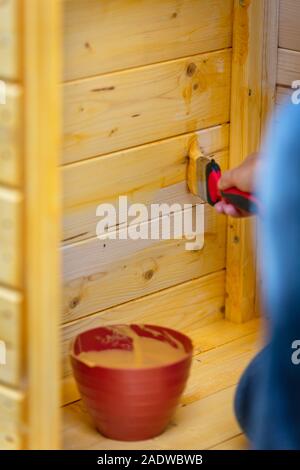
(241, 177)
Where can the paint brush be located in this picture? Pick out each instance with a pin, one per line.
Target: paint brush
(203, 174)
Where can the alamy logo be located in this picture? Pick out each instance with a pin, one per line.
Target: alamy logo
(296, 94)
(153, 222)
(2, 92)
(296, 354)
(2, 353)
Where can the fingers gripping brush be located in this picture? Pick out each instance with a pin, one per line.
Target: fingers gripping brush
(202, 178)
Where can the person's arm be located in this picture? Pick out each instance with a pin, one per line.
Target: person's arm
(241, 177)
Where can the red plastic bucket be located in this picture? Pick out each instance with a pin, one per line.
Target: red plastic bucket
(130, 404)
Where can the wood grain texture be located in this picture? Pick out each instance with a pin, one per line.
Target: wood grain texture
(11, 137)
(202, 423)
(288, 67)
(124, 109)
(12, 419)
(10, 237)
(269, 76)
(11, 305)
(245, 131)
(204, 418)
(9, 39)
(42, 128)
(282, 95)
(238, 442)
(226, 357)
(187, 307)
(115, 271)
(152, 173)
(289, 19)
(108, 36)
(269, 59)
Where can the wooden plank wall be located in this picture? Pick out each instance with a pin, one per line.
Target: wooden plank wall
(12, 427)
(245, 132)
(30, 47)
(11, 216)
(142, 81)
(288, 66)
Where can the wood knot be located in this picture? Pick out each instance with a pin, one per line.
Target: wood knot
(148, 274)
(191, 69)
(74, 302)
(113, 131)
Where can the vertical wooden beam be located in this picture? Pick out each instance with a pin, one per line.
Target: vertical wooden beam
(42, 73)
(245, 133)
(270, 58)
(269, 79)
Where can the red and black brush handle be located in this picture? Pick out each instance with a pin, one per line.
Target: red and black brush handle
(240, 199)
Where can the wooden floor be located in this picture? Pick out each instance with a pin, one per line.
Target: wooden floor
(204, 419)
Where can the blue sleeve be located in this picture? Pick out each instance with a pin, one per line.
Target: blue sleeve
(276, 419)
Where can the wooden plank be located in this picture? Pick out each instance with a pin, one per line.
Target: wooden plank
(238, 442)
(187, 307)
(10, 237)
(80, 221)
(201, 424)
(124, 109)
(245, 128)
(42, 129)
(222, 365)
(115, 271)
(149, 178)
(288, 67)
(282, 95)
(11, 136)
(10, 334)
(9, 39)
(115, 35)
(270, 59)
(289, 19)
(269, 76)
(125, 241)
(11, 419)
